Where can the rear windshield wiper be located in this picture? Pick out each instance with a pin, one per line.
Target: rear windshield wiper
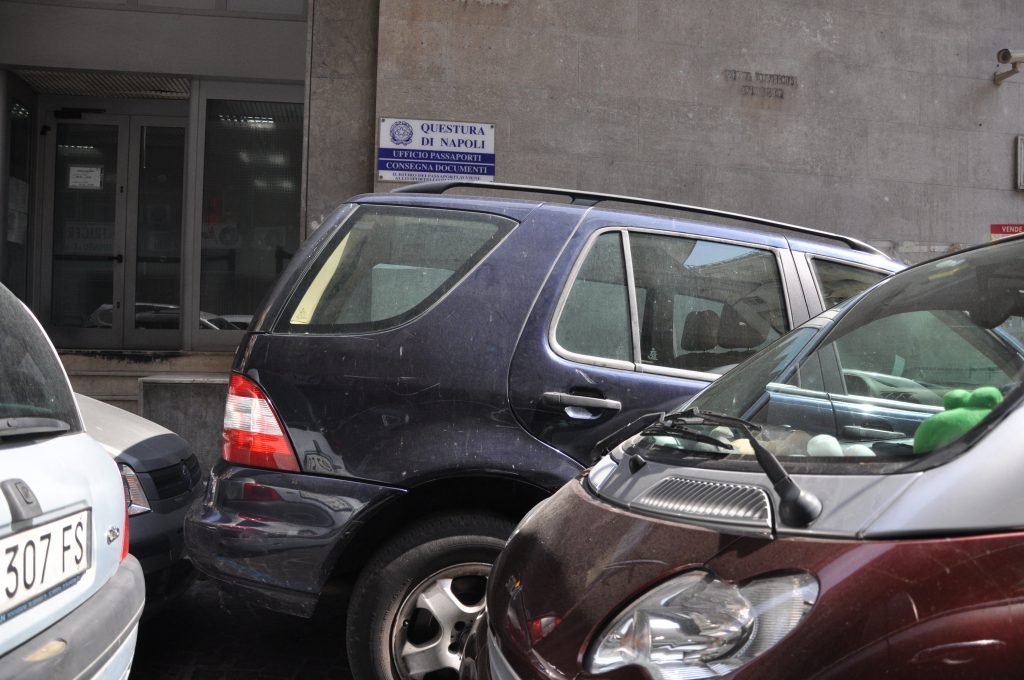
(797, 507)
(27, 426)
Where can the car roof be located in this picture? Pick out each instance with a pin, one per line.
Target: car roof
(518, 201)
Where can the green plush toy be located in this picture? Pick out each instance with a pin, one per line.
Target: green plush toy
(964, 410)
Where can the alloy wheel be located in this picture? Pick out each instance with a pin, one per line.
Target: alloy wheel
(428, 634)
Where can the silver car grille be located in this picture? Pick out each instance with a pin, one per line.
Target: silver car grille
(711, 501)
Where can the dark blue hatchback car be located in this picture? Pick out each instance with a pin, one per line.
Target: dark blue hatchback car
(430, 366)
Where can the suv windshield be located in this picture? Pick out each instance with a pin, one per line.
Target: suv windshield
(911, 367)
(34, 394)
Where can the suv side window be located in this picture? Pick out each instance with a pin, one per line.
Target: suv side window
(387, 264)
(701, 305)
(839, 282)
(595, 317)
(709, 305)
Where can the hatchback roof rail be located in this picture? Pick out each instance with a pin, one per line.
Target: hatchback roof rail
(589, 198)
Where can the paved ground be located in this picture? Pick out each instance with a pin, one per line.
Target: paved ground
(205, 635)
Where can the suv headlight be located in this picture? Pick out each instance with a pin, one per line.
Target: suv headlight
(134, 495)
(696, 626)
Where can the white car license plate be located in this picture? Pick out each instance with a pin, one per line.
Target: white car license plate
(43, 561)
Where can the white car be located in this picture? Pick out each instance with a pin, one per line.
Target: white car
(70, 594)
(162, 477)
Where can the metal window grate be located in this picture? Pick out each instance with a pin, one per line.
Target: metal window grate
(104, 84)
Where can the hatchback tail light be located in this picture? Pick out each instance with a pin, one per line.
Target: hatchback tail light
(124, 534)
(253, 434)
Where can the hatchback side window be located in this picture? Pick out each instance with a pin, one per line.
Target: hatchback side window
(595, 317)
(839, 282)
(387, 264)
(708, 305)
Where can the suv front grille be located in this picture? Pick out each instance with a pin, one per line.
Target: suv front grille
(176, 479)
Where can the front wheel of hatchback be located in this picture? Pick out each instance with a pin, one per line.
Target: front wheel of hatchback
(417, 597)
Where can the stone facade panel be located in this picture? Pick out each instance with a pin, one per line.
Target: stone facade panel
(874, 118)
(554, 169)
(784, 196)
(628, 68)
(677, 22)
(516, 58)
(989, 162)
(682, 181)
(971, 104)
(340, 153)
(913, 153)
(413, 50)
(345, 42)
(575, 125)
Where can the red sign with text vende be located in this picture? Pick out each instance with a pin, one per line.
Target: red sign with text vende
(1003, 230)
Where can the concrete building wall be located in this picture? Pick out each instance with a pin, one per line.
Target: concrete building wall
(878, 118)
(340, 91)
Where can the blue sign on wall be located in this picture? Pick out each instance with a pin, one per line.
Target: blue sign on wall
(412, 150)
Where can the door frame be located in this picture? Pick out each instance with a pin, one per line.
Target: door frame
(132, 337)
(103, 109)
(67, 335)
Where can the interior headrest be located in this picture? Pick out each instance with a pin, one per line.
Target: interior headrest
(700, 331)
(741, 327)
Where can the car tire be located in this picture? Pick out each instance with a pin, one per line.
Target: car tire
(417, 597)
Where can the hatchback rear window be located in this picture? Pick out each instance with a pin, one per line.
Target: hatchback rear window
(32, 382)
(388, 264)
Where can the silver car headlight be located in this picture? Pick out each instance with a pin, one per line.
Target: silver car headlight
(696, 626)
(134, 495)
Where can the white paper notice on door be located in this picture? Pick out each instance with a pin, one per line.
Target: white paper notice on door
(85, 177)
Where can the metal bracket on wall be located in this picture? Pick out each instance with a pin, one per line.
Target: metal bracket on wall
(1020, 162)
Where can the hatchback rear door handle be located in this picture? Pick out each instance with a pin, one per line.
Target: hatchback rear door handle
(563, 399)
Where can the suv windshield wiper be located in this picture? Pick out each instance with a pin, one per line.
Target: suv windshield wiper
(25, 426)
(797, 508)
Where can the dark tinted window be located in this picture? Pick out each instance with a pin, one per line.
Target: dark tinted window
(251, 198)
(595, 318)
(839, 282)
(32, 381)
(387, 264)
(918, 362)
(707, 305)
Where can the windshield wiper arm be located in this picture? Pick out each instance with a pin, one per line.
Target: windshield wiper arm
(697, 416)
(797, 507)
(624, 433)
(673, 428)
(25, 426)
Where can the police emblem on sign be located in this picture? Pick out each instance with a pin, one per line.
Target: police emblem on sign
(401, 133)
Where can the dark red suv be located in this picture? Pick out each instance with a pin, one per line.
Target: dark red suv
(846, 504)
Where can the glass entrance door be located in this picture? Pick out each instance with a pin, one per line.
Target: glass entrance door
(89, 175)
(153, 290)
(116, 214)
